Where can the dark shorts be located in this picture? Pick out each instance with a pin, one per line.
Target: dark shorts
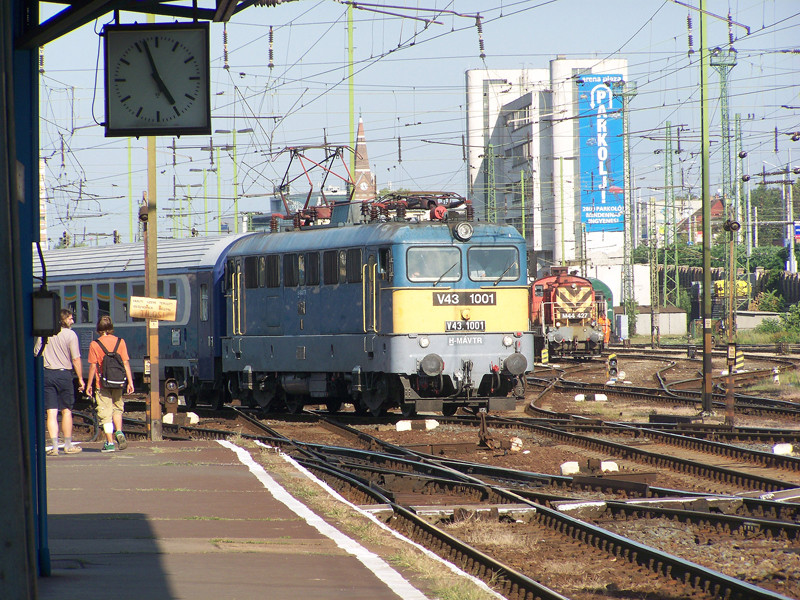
(59, 392)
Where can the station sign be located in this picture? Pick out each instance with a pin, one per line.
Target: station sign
(162, 309)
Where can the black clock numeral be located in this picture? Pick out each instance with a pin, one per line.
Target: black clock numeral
(122, 60)
(155, 41)
(126, 98)
(188, 60)
(177, 112)
(158, 115)
(189, 96)
(175, 47)
(194, 78)
(138, 112)
(138, 47)
(120, 80)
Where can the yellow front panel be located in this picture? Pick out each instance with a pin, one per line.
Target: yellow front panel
(426, 311)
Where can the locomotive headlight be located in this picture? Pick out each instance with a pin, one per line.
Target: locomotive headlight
(463, 231)
(558, 324)
(507, 341)
(424, 342)
(465, 314)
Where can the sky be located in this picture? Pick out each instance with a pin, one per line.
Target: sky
(409, 86)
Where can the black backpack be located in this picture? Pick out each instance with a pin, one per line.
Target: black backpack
(113, 374)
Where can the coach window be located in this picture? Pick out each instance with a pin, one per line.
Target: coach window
(493, 263)
(137, 289)
(330, 267)
(311, 265)
(204, 302)
(120, 312)
(251, 272)
(86, 304)
(103, 300)
(71, 298)
(433, 263)
(273, 271)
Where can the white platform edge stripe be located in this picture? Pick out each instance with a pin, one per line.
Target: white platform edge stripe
(372, 561)
(455, 569)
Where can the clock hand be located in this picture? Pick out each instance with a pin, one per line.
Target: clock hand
(159, 82)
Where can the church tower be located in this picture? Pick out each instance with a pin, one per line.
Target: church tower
(365, 187)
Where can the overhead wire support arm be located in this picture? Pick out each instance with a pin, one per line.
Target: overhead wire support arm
(711, 14)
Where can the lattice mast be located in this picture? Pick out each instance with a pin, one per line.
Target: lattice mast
(671, 280)
(627, 93)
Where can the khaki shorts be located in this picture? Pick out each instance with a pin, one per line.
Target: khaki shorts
(109, 401)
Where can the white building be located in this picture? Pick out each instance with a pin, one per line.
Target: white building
(545, 154)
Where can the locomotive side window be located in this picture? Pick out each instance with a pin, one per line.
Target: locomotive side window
(251, 272)
(312, 268)
(342, 266)
(301, 269)
(354, 265)
(227, 278)
(433, 263)
(538, 290)
(330, 267)
(495, 263)
(262, 271)
(384, 263)
(290, 270)
(273, 271)
(103, 300)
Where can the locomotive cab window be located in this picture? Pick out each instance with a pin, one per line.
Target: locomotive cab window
(496, 263)
(433, 263)
(538, 290)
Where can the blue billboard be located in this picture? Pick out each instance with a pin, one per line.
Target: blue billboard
(601, 164)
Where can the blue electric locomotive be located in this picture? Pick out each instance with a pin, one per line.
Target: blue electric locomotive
(422, 316)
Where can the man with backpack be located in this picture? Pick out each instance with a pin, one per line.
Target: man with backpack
(109, 374)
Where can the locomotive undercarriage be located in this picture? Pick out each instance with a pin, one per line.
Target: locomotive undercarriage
(375, 393)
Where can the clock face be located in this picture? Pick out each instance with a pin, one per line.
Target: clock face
(363, 185)
(157, 80)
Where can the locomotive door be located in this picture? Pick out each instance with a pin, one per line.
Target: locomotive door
(369, 295)
(237, 297)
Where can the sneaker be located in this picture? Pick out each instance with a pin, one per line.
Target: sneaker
(122, 443)
(108, 447)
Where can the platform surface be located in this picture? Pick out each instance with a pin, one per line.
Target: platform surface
(189, 520)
